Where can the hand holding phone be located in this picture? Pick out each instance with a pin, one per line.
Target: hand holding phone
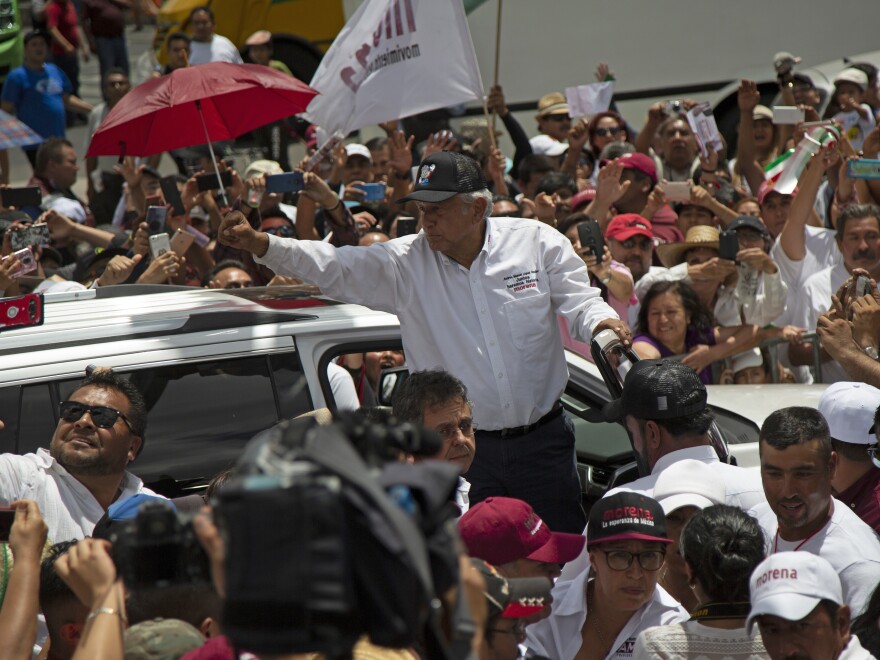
(159, 245)
(181, 242)
(677, 191)
(590, 237)
(208, 181)
(728, 245)
(787, 114)
(27, 263)
(27, 235)
(156, 219)
(21, 197)
(284, 182)
(172, 195)
(373, 192)
(22, 311)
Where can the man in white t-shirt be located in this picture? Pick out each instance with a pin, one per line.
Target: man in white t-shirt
(101, 430)
(207, 46)
(858, 238)
(797, 466)
(798, 604)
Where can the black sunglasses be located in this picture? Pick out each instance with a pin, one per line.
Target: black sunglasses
(102, 416)
(284, 231)
(559, 117)
(602, 131)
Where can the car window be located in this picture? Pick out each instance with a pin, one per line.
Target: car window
(200, 415)
(29, 415)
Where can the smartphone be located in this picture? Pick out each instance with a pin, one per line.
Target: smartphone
(20, 197)
(677, 191)
(728, 245)
(375, 192)
(201, 239)
(172, 195)
(7, 517)
(824, 123)
(590, 236)
(209, 181)
(862, 287)
(156, 219)
(181, 242)
(159, 245)
(787, 114)
(26, 260)
(284, 182)
(863, 168)
(325, 151)
(406, 225)
(21, 311)
(34, 234)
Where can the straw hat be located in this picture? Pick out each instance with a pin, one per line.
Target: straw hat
(700, 236)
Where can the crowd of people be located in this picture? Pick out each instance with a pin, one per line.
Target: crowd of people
(494, 265)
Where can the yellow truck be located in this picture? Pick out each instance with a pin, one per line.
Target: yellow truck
(302, 30)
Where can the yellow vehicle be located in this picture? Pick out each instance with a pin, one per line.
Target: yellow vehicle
(302, 30)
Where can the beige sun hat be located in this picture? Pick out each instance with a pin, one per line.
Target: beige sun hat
(700, 236)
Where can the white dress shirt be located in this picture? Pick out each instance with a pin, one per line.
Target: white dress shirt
(68, 507)
(492, 325)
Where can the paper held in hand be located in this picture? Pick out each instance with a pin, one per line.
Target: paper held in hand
(588, 100)
(702, 123)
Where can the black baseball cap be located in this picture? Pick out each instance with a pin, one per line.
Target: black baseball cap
(626, 516)
(803, 79)
(444, 175)
(658, 389)
(749, 221)
(34, 34)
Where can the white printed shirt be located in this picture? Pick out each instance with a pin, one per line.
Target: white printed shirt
(493, 325)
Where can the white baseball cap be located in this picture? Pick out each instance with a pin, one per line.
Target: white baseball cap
(689, 483)
(751, 358)
(849, 409)
(854, 76)
(355, 149)
(547, 146)
(790, 585)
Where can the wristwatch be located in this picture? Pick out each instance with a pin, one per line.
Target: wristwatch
(872, 353)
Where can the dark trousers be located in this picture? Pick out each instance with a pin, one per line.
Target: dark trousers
(70, 65)
(539, 468)
(112, 53)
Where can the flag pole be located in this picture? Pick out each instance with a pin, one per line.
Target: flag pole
(497, 65)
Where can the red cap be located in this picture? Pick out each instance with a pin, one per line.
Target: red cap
(581, 199)
(626, 225)
(768, 187)
(500, 530)
(641, 162)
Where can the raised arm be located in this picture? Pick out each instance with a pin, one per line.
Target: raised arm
(746, 154)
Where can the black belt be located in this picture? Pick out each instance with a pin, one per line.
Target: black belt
(517, 431)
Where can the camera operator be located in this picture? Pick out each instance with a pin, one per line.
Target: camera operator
(101, 430)
(438, 401)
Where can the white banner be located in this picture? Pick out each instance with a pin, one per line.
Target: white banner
(395, 58)
(588, 100)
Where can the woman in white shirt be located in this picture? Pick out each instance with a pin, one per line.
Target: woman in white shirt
(720, 545)
(598, 614)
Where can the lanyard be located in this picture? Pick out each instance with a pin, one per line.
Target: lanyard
(714, 611)
(799, 545)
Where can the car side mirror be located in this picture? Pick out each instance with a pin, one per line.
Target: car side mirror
(390, 382)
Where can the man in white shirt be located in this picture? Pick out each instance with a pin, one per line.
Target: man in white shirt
(858, 237)
(797, 466)
(439, 401)
(101, 430)
(478, 296)
(207, 46)
(798, 605)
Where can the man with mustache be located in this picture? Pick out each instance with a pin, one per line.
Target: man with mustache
(798, 465)
(858, 237)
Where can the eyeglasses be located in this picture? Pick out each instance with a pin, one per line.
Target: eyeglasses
(559, 118)
(602, 131)
(102, 416)
(518, 631)
(649, 560)
(630, 243)
(284, 231)
(448, 432)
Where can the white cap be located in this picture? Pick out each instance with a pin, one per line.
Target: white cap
(689, 483)
(790, 585)
(854, 76)
(358, 150)
(849, 409)
(545, 145)
(752, 358)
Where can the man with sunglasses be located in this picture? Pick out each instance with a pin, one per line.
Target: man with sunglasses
(100, 431)
(851, 412)
(554, 123)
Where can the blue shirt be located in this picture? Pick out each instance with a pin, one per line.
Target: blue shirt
(38, 97)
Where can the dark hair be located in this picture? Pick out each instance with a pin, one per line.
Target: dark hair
(204, 8)
(192, 603)
(106, 379)
(679, 427)
(851, 451)
(594, 124)
(179, 36)
(217, 482)
(426, 389)
(506, 198)
(114, 71)
(868, 69)
(855, 212)
(701, 318)
(376, 143)
(223, 265)
(614, 150)
(50, 150)
(572, 220)
(722, 544)
(534, 164)
(795, 425)
(865, 625)
(52, 588)
(553, 181)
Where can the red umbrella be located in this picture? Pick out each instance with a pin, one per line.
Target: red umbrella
(198, 104)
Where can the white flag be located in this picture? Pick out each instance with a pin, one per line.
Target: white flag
(393, 59)
(589, 99)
